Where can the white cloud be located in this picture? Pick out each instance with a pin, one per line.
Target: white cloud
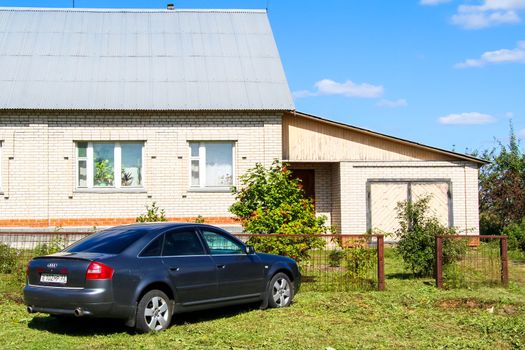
(516, 55)
(347, 89)
(432, 2)
(521, 134)
(488, 13)
(399, 103)
(467, 118)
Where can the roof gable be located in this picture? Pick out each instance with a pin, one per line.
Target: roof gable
(140, 60)
(311, 138)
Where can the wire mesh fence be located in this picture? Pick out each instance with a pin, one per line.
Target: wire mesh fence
(336, 263)
(327, 262)
(484, 262)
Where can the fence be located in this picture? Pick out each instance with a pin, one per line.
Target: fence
(482, 260)
(336, 263)
(327, 262)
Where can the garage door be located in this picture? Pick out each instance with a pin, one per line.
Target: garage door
(384, 197)
(383, 202)
(439, 201)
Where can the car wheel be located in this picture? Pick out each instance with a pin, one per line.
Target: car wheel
(280, 291)
(154, 312)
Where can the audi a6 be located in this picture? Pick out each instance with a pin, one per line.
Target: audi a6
(146, 273)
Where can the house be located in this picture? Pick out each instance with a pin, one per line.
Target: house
(105, 111)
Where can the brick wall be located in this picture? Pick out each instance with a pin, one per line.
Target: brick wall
(38, 164)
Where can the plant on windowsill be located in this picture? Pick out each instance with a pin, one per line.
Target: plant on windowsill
(126, 178)
(103, 173)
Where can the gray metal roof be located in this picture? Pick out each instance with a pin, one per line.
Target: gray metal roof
(140, 60)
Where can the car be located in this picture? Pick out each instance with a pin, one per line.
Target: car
(146, 273)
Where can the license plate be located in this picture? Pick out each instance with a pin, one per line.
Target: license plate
(49, 278)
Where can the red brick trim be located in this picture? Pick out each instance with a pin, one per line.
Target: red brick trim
(65, 222)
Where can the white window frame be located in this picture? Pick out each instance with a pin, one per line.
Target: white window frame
(117, 165)
(202, 165)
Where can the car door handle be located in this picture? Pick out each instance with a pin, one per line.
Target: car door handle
(221, 266)
(174, 268)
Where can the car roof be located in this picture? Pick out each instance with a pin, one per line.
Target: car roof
(157, 226)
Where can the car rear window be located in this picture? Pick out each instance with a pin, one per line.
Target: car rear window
(112, 241)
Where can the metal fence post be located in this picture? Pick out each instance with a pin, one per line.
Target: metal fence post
(504, 261)
(439, 262)
(381, 262)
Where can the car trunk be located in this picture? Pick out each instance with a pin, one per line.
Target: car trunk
(61, 269)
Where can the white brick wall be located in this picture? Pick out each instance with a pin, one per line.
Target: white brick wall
(38, 162)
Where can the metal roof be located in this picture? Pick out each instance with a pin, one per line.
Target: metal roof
(140, 60)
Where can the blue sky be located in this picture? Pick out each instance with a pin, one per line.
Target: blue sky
(448, 73)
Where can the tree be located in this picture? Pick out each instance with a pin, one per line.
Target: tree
(502, 186)
(271, 201)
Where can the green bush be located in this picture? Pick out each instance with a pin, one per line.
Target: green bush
(516, 235)
(153, 214)
(335, 258)
(55, 245)
(8, 258)
(271, 201)
(417, 238)
(359, 261)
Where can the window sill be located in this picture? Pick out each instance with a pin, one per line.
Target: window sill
(210, 189)
(110, 190)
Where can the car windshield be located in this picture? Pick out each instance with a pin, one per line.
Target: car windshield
(111, 241)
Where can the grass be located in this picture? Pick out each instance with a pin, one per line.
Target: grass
(410, 314)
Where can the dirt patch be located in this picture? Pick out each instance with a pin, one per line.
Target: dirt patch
(465, 303)
(15, 297)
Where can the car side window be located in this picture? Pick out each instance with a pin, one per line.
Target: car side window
(182, 242)
(220, 244)
(154, 248)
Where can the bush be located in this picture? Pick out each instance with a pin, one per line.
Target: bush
(153, 214)
(55, 245)
(8, 258)
(516, 235)
(271, 201)
(417, 238)
(359, 261)
(335, 258)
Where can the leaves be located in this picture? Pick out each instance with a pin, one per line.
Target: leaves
(417, 238)
(271, 201)
(502, 186)
(153, 214)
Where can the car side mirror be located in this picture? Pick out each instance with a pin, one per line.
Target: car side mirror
(250, 250)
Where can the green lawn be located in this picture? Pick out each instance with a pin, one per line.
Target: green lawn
(411, 314)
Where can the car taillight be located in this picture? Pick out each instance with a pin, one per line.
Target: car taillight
(27, 269)
(99, 271)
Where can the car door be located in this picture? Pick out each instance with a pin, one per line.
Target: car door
(193, 273)
(240, 275)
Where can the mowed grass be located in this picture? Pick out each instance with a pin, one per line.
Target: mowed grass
(410, 314)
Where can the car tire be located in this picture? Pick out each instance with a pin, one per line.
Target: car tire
(280, 291)
(154, 312)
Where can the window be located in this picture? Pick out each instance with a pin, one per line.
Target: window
(154, 248)
(109, 164)
(211, 164)
(111, 241)
(220, 245)
(182, 243)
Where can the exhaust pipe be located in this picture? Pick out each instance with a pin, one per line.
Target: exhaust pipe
(30, 309)
(78, 312)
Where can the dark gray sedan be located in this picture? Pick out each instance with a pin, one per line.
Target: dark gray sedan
(145, 273)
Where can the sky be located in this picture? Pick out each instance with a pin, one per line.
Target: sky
(447, 73)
